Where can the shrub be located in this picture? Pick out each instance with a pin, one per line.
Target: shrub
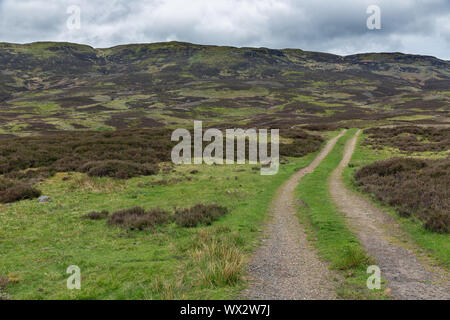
(67, 151)
(390, 167)
(11, 191)
(321, 127)
(118, 169)
(415, 187)
(438, 222)
(302, 143)
(96, 215)
(120, 154)
(138, 219)
(409, 138)
(199, 214)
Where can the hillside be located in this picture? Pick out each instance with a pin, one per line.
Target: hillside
(48, 86)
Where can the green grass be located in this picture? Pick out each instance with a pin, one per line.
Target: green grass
(436, 245)
(329, 232)
(39, 241)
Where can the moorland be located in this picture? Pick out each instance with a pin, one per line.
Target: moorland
(90, 129)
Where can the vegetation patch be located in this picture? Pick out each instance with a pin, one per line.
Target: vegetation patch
(139, 219)
(4, 282)
(302, 143)
(409, 138)
(221, 263)
(414, 187)
(96, 215)
(71, 151)
(199, 214)
(118, 169)
(150, 264)
(120, 154)
(434, 244)
(11, 191)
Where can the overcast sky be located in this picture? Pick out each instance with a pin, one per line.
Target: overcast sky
(336, 26)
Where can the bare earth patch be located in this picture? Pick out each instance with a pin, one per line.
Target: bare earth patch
(286, 266)
(410, 275)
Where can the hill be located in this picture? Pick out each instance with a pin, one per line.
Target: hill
(50, 86)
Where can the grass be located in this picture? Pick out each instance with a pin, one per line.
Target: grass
(435, 245)
(39, 241)
(329, 232)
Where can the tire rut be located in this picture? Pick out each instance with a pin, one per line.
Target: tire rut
(286, 266)
(410, 275)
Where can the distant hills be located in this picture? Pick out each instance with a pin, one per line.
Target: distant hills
(50, 86)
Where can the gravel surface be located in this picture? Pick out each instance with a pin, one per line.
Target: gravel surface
(286, 266)
(409, 273)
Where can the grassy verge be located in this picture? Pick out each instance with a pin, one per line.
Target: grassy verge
(39, 241)
(329, 232)
(435, 245)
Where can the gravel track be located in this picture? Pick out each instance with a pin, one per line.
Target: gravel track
(286, 266)
(409, 273)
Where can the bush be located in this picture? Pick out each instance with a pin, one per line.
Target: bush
(438, 222)
(68, 151)
(199, 214)
(302, 143)
(119, 154)
(118, 169)
(390, 167)
(11, 191)
(321, 127)
(409, 138)
(96, 215)
(415, 187)
(138, 219)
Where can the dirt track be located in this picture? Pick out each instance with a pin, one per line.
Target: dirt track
(286, 266)
(409, 275)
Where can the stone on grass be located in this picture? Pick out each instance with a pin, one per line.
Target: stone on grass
(43, 199)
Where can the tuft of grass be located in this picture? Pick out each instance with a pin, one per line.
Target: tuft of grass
(166, 289)
(220, 264)
(352, 257)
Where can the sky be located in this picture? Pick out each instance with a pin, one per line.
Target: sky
(335, 26)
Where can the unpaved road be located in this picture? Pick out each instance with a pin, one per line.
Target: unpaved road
(409, 274)
(286, 266)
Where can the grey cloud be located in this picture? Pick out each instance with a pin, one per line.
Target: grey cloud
(337, 26)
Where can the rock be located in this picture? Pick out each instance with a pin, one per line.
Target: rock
(43, 199)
